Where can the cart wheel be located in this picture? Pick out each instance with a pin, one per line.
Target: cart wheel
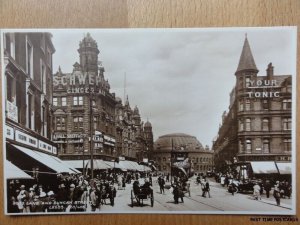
(132, 199)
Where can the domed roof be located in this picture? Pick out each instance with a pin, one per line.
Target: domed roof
(181, 142)
(147, 124)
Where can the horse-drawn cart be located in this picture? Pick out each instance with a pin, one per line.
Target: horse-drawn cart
(145, 194)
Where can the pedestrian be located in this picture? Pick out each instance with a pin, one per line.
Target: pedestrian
(178, 193)
(256, 191)
(22, 200)
(168, 177)
(94, 200)
(161, 183)
(276, 193)
(232, 188)
(267, 187)
(288, 189)
(207, 188)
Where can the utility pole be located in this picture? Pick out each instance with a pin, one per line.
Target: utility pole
(171, 161)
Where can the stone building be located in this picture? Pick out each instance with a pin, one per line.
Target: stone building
(257, 126)
(85, 107)
(28, 109)
(178, 147)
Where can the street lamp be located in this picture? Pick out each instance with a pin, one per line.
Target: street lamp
(114, 173)
(172, 149)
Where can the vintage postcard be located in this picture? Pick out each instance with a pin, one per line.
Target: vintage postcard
(185, 121)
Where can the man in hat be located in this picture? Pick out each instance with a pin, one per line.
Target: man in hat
(23, 199)
(276, 193)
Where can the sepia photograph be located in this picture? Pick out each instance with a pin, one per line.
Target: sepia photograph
(159, 121)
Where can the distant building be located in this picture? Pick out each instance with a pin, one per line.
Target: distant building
(85, 107)
(181, 146)
(257, 126)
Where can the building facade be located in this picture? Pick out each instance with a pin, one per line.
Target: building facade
(28, 106)
(258, 124)
(177, 147)
(85, 107)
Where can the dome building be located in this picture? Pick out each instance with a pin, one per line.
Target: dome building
(181, 146)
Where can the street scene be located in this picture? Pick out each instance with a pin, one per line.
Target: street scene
(185, 121)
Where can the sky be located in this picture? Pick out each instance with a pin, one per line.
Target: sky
(180, 79)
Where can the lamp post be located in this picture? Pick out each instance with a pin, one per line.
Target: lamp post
(172, 148)
(114, 173)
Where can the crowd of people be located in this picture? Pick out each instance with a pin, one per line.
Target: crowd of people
(280, 189)
(74, 193)
(78, 193)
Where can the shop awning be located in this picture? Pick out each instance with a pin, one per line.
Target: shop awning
(100, 165)
(78, 164)
(264, 167)
(52, 162)
(284, 167)
(113, 164)
(14, 172)
(128, 165)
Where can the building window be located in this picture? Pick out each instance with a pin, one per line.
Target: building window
(78, 122)
(49, 57)
(266, 146)
(248, 83)
(287, 124)
(55, 101)
(241, 125)
(31, 111)
(43, 43)
(43, 77)
(248, 146)
(265, 104)
(95, 122)
(164, 167)
(287, 104)
(265, 124)
(248, 105)
(29, 58)
(242, 146)
(44, 121)
(164, 159)
(78, 147)
(64, 101)
(93, 103)
(241, 105)
(77, 100)
(287, 143)
(10, 89)
(12, 46)
(60, 123)
(248, 124)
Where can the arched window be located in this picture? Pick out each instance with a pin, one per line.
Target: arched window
(265, 124)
